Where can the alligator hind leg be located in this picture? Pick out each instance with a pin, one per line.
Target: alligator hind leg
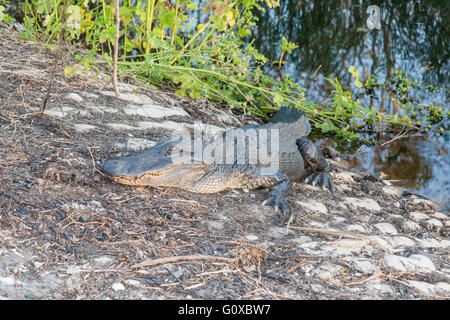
(312, 155)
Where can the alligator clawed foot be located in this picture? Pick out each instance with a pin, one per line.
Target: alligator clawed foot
(321, 179)
(278, 202)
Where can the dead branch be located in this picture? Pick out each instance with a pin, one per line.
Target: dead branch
(181, 259)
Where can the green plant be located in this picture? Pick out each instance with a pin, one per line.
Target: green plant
(158, 45)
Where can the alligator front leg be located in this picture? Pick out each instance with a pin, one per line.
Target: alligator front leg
(312, 155)
(226, 176)
(277, 196)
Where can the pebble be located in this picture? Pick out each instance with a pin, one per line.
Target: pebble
(363, 265)
(132, 282)
(381, 243)
(121, 126)
(426, 287)
(81, 127)
(215, 224)
(313, 206)
(338, 251)
(416, 216)
(401, 241)
(391, 191)
(366, 203)
(426, 202)
(439, 215)
(414, 263)
(118, 286)
(74, 96)
(7, 281)
(380, 288)
(443, 288)
(278, 232)
(429, 243)
(130, 97)
(343, 176)
(326, 271)
(410, 226)
(102, 261)
(433, 223)
(154, 111)
(136, 144)
(251, 237)
(355, 228)
(386, 228)
(65, 112)
(102, 109)
(166, 125)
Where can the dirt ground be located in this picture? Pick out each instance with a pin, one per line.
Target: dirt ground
(67, 232)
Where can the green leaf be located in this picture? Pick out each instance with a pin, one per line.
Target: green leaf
(327, 126)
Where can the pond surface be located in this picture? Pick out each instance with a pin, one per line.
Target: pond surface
(334, 35)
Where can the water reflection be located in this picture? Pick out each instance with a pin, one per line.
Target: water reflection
(333, 35)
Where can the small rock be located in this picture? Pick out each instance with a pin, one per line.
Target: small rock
(380, 288)
(102, 109)
(426, 287)
(364, 265)
(401, 241)
(414, 263)
(81, 127)
(344, 247)
(132, 282)
(326, 271)
(410, 226)
(65, 112)
(426, 202)
(215, 224)
(90, 95)
(75, 97)
(381, 243)
(429, 243)
(439, 215)
(278, 232)
(422, 262)
(118, 286)
(343, 187)
(314, 206)
(343, 177)
(391, 191)
(416, 216)
(154, 111)
(121, 126)
(443, 288)
(130, 97)
(136, 144)
(251, 237)
(433, 224)
(102, 261)
(366, 203)
(7, 281)
(166, 125)
(355, 228)
(386, 228)
(338, 220)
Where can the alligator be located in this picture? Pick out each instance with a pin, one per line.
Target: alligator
(171, 162)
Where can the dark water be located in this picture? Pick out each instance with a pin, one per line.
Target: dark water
(414, 38)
